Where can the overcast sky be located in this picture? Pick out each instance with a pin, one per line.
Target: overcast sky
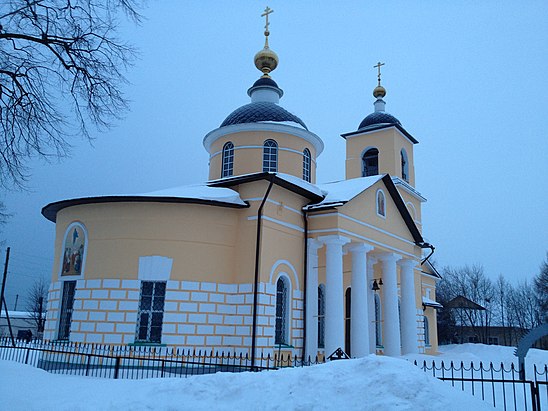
(466, 79)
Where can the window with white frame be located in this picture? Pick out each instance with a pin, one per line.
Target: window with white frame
(228, 160)
(321, 317)
(151, 312)
(67, 304)
(378, 321)
(270, 156)
(381, 204)
(307, 159)
(282, 312)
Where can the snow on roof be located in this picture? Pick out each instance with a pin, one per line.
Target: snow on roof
(340, 192)
(303, 184)
(200, 192)
(17, 314)
(431, 303)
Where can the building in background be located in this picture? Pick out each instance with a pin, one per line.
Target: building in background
(260, 258)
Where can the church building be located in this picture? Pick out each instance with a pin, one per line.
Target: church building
(260, 258)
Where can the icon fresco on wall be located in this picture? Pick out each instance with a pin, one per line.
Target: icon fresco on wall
(73, 256)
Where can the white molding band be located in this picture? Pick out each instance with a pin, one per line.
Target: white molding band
(261, 147)
(306, 135)
(282, 223)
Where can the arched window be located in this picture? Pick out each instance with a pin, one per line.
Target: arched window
(270, 156)
(348, 321)
(426, 331)
(381, 204)
(228, 160)
(306, 164)
(378, 321)
(321, 317)
(404, 165)
(370, 163)
(282, 312)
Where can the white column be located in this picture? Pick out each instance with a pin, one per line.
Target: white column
(408, 307)
(359, 335)
(334, 307)
(311, 349)
(391, 324)
(371, 305)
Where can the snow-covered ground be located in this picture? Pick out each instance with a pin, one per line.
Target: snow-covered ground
(370, 383)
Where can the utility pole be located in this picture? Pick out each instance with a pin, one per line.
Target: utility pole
(16, 299)
(2, 299)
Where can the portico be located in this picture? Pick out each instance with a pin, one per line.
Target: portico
(396, 307)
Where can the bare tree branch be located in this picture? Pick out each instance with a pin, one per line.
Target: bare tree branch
(61, 71)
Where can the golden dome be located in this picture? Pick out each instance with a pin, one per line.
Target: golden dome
(266, 60)
(379, 91)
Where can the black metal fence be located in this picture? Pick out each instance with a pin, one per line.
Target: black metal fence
(498, 385)
(136, 362)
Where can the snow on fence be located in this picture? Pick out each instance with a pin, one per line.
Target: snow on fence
(498, 385)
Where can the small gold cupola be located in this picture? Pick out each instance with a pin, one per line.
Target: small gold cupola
(266, 60)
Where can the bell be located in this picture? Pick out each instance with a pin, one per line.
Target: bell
(375, 286)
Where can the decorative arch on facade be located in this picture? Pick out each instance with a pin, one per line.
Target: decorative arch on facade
(228, 160)
(307, 162)
(381, 203)
(270, 156)
(73, 259)
(278, 266)
(404, 165)
(370, 162)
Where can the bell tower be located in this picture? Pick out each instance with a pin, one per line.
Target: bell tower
(380, 145)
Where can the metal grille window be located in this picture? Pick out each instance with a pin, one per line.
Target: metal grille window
(69, 288)
(281, 312)
(426, 332)
(270, 156)
(370, 162)
(306, 164)
(321, 318)
(228, 160)
(151, 311)
(378, 321)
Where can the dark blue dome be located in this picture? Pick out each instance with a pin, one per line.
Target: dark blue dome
(261, 111)
(378, 117)
(265, 81)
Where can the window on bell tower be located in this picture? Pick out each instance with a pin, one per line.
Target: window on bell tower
(370, 163)
(404, 165)
(270, 156)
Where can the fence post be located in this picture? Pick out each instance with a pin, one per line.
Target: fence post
(27, 356)
(117, 367)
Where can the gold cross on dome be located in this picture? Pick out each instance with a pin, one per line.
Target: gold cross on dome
(267, 11)
(378, 67)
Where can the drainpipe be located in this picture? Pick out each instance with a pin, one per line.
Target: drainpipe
(431, 247)
(256, 281)
(305, 278)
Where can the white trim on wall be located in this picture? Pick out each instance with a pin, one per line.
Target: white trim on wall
(288, 264)
(154, 268)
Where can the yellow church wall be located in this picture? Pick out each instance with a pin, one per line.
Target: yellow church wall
(389, 142)
(248, 153)
(199, 238)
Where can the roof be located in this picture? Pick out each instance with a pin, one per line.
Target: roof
(194, 194)
(261, 111)
(289, 182)
(434, 273)
(462, 302)
(376, 127)
(341, 192)
(427, 302)
(378, 117)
